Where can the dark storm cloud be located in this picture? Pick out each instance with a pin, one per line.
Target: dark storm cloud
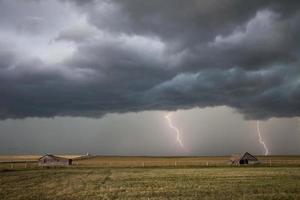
(157, 55)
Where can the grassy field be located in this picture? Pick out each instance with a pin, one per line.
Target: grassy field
(159, 178)
(29, 157)
(29, 161)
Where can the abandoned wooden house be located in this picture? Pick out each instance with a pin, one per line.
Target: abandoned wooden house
(246, 159)
(51, 160)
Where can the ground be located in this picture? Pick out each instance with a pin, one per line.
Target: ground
(86, 180)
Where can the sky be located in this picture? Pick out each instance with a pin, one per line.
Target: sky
(101, 76)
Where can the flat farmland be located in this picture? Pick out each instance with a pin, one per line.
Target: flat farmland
(152, 183)
(18, 158)
(20, 161)
(104, 177)
(203, 161)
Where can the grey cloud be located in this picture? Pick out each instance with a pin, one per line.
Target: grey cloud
(7, 58)
(32, 25)
(179, 21)
(258, 95)
(79, 33)
(162, 55)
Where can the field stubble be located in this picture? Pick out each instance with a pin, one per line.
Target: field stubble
(87, 181)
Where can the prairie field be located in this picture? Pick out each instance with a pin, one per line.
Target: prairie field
(153, 178)
(17, 158)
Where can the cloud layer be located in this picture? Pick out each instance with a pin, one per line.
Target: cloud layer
(90, 58)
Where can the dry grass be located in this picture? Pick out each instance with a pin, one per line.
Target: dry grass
(204, 161)
(151, 178)
(151, 183)
(118, 161)
(19, 157)
(29, 157)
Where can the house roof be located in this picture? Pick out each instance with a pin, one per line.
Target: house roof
(247, 156)
(52, 157)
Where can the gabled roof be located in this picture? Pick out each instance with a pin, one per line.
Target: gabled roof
(249, 157)
(53, 157)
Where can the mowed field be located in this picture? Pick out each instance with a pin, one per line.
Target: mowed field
(153, 178)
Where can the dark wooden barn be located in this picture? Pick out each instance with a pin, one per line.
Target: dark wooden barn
(51, 160)
(246, 159)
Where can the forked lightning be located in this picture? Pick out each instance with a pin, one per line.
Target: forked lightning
(261, 140)
(178, 136)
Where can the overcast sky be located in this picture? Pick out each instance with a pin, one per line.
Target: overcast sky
(99, 76)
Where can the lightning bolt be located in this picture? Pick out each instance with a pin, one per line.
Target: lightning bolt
(178, 136)
(261, 140)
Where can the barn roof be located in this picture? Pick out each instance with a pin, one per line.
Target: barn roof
(249, 157)
(53, 157)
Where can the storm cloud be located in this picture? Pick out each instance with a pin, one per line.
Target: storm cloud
(91, 58)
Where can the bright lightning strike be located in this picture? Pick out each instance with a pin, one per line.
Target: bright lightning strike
(178, 137)
(261, 140)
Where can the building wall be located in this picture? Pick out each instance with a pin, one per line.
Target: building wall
(49, 161)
